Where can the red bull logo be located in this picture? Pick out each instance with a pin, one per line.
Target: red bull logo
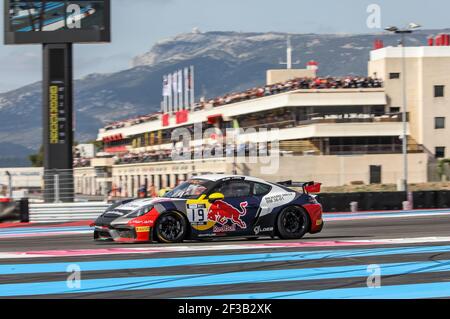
(221, 212)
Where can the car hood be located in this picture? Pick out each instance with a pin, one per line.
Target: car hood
(122, 219)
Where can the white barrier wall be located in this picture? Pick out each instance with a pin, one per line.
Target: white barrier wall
(23, 177)
(341, 170)
(65, 212)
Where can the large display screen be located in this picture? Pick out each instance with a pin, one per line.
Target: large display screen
(28, 21)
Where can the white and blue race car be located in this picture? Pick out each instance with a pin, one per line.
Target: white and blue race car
(215, 206)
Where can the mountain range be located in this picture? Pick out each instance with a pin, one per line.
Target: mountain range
(224, 62)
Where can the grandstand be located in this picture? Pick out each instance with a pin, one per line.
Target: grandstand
(335, 130)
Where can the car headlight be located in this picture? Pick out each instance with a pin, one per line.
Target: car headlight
(140, 212)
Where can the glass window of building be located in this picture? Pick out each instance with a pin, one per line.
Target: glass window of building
(440, 152)
(439, 122)
(439, 90)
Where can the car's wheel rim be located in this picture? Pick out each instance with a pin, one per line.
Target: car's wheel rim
(293, 222)
(170, 228)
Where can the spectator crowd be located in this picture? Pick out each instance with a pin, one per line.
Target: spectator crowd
(349, 82)
(143, 157)
(134, 121)
(295, 84)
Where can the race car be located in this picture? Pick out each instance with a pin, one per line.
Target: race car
(215, 206)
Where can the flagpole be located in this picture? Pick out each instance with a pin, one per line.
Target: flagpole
(175, 90)
(192, 87)
(169, 85)
(165, 105)
(180, 89)
(186, 88)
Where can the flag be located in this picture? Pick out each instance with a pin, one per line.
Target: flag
(165, 120)
(169, 84)
(175, 82)
(166, 89)
(180, 81)
(182, 116)
(189, 84)
(186, 89)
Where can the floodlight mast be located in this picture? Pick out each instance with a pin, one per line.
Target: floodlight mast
(410, 29)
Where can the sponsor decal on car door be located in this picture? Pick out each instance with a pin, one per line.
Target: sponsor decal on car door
(219, 217)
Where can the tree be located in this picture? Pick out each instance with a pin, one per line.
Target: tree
(442, 166)
(37, 160)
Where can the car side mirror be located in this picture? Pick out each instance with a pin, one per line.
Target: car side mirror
(215, 197)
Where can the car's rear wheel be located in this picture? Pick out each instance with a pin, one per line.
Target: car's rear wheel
(293, 223)
(171, 228)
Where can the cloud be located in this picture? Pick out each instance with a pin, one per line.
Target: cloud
(19, 66)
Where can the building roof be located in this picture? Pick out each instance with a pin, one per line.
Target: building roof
(411, 52)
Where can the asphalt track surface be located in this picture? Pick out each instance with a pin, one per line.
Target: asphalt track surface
(411, 252)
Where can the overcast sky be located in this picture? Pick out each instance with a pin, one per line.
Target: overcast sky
(138, 24)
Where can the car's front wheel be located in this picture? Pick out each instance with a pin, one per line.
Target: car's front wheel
(171, 228)
(293, 223)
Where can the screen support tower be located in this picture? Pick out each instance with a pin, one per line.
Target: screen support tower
(57, 121)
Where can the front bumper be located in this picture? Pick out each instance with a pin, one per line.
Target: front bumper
(124, 234)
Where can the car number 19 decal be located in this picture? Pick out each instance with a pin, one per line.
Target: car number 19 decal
(197, 214)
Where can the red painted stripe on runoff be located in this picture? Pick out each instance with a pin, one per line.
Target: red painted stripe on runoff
(14, 225)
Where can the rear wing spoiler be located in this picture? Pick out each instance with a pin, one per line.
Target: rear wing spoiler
(308, 187)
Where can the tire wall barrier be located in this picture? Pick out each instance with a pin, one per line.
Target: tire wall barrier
(373, 201)
(14, 211)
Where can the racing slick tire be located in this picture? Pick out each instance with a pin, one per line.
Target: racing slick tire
(171, 227)
(293, 223)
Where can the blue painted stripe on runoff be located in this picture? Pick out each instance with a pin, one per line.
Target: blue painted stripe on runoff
(413, 291)
(199, 280)
(14, 269)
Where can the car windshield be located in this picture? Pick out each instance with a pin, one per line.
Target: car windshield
(191, 189)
